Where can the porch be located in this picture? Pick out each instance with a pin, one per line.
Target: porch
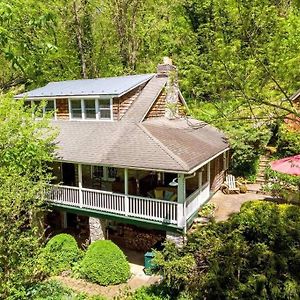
(142, 196)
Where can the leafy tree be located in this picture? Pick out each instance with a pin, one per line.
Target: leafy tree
(25, 149)
(253, 255)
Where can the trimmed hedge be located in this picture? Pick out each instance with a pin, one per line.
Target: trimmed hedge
(104, 263)
(60, 254)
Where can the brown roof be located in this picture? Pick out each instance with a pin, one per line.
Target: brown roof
(160, 144)
(190, 141)
(151, 91)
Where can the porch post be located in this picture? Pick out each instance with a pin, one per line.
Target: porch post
(208, 175)
(80, 184)
(126, 191)
(181, 221)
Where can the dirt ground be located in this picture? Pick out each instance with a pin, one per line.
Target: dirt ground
(137, 280)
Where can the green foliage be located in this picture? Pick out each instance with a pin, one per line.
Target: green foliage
(283, 186)
(247, 143)
(207, 210)
(288, 142)
(53, 290)
(154, 292)
(104, 263)
(49, 290)
(25, 152)
(60, 254)
(253, 255)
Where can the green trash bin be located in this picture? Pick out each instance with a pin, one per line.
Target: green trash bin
(148, 262)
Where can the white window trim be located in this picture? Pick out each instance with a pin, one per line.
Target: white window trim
(97, 107)
(105, 173)
(44, 108)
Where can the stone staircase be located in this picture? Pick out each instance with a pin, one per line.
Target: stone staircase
(263, 163)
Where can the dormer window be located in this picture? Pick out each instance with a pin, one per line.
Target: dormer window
(76, 109)
(50, 107)
(90, 109)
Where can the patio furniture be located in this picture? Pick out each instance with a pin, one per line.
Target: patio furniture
(230, 185)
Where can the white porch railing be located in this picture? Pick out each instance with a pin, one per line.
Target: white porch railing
(131, 206)
(195, 200)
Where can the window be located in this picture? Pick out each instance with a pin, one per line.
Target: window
(100, 109)
(105, 173)
(104, 109)
(76, 110)
(50, 106)
(38, 110)
(89, 109)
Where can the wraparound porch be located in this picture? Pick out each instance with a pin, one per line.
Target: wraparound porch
(168, 213)
(165, 199)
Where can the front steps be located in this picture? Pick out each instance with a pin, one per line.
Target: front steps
(263, 163)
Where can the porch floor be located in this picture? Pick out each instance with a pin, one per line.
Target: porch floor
(230, 204)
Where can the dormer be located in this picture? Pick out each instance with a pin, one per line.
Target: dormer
(101, 99)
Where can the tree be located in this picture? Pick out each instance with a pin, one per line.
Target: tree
(253, 255)
(26, 148)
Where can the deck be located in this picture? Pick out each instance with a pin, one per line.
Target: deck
(129, 206)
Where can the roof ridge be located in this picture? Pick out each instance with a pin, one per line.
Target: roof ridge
(163, 147)
(136, 112)
(97, 78)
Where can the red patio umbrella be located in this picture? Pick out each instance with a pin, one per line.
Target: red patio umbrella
(289, 165)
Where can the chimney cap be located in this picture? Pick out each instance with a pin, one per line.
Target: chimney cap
(167, 60)
(164, 69)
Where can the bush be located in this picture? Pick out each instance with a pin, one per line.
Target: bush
(60, 254)
(288, 142)
(54, 290)
(104, 263)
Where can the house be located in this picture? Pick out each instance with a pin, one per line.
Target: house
(292, 120)
(131, 166)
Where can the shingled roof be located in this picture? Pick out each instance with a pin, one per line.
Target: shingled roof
(177, 145)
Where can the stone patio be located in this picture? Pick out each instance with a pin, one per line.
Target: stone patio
(226, 205)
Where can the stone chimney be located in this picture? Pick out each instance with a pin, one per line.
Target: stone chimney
(167, 69)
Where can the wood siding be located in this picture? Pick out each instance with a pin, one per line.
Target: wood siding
(62, 109)
(122, 104)
(217, 172)
(158, 109)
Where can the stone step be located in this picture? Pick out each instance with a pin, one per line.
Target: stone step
(260, 180)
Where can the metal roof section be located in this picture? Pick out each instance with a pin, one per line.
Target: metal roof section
(113, 86)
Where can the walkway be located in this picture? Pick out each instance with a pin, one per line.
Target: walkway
(230, 204)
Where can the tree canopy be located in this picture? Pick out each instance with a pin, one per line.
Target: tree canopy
(26, 147)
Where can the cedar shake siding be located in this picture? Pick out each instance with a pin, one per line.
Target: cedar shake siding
(62, 109)
(158, 109)
(217, 172)
(122, 104)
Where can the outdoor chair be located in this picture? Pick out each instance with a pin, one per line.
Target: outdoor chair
(230, 185)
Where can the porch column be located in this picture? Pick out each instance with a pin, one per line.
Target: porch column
(64, 221)
(126, 192)
(200, 181)
(208, 175)
(80, 184)
(181, 221)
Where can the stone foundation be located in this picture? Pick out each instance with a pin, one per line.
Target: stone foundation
(175, 238)
(97, 229)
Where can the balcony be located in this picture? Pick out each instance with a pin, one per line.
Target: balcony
(142, 208)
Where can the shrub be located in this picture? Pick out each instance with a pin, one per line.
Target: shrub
(60, 254)
(104, 263)
(288, 142)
